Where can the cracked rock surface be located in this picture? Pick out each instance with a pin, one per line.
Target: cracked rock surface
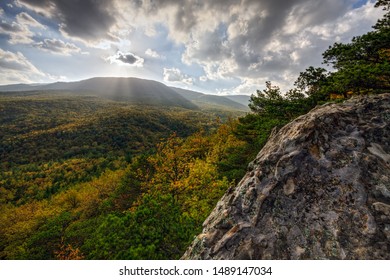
(319, 189)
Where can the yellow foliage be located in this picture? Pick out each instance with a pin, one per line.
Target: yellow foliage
(336, 96)
(67, 252)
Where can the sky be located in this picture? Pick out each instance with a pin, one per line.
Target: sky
(215, 46)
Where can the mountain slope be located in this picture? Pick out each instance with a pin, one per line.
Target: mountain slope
(133, 90)
(20, 87)
(207, 100)
(319, 189)
(242, 99)
(139, 91)
(43, 127)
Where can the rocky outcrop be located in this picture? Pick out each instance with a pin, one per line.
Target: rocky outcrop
(319, 189)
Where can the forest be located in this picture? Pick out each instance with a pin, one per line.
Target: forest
(82, 177)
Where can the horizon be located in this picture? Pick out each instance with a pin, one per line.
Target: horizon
(213, 47)
(108, 77)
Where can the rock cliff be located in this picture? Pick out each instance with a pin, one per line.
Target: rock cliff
(319, 189)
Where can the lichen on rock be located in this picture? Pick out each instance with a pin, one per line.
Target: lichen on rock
(319, 189)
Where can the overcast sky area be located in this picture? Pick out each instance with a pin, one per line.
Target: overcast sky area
(215, 46)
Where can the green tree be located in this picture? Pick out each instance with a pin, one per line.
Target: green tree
(267, 101)
(271, 103)
(362, 66)
(383, 23)
(156, 229)
(310, 83)
(48, 238)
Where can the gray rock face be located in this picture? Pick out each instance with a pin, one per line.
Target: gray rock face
(319, 189)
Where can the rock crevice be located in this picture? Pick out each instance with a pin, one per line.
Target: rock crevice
(319, 189)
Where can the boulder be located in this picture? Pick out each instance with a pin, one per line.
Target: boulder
(319, 189)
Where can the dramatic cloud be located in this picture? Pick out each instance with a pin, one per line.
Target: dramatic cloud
(252, 39)
(9, 28)
(42, 7)
(57, 46)
(229, 46)
(175, 75)
(15, 67)
(126, 59)
(88, 20)
(27, 20)
(19, 31)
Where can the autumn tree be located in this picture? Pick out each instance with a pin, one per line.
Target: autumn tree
(67, 252)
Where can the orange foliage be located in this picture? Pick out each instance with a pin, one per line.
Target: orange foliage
(67, 252)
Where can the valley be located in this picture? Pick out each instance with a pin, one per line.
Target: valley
(71, 160)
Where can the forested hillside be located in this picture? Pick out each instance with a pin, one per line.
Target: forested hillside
(132, 90)
(71, 162)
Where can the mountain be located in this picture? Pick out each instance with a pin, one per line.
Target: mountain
(39, 127)
(20, 87)
(139, 91)
(319, 189)
(71, 162)
(207, 100)
(133, 90)
(242, 99)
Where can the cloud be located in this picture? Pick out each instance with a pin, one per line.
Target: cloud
(275, 42)
(126, 59)
(349, 24)
(154, 54)
(175, 75)
(18, 34)
(9, 28)
(27, 20)
(242, 40)
(19, 31)
(87, 20)
(57, 46)
(15, 67)
(272, 39)
(42, 7)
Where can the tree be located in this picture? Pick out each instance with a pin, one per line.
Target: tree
(273, 104)
(362, 66)
(67, 252)
(310, 81)
(156, 229)
(268, 101)
(385, 21)
(47, 239)
(270, 108)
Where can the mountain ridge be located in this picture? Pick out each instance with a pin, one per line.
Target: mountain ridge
(202, 99)
(133, 90)
(137, 91)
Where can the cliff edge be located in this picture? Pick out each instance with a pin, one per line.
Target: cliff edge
(319, 189)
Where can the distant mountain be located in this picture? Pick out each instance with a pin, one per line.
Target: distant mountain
(134, 90)
(208, 100)
(140, 91)
(20, 87)
(242, 99)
